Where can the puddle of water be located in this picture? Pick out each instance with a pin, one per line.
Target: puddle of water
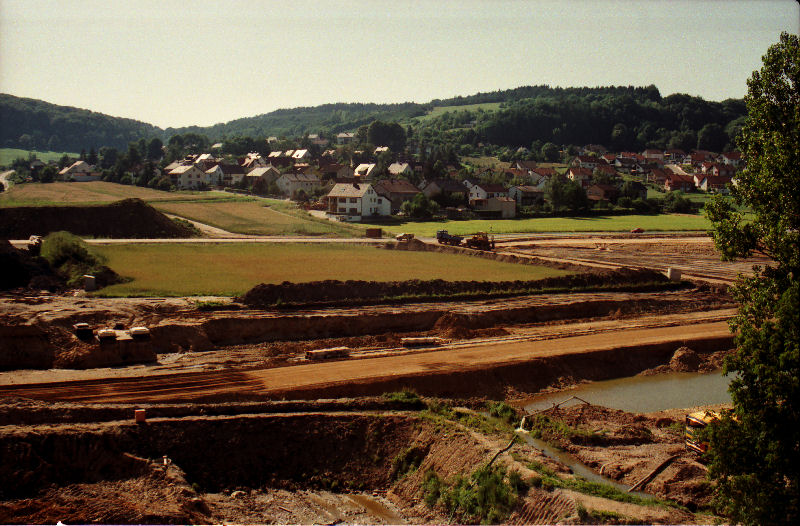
(577, 467)
(645, 394)
(376, 509)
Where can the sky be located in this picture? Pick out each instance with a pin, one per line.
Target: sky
(179, 63)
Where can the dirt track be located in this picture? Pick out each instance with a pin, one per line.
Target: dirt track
(452, 371)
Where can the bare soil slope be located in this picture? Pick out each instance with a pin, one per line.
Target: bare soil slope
(129, 218)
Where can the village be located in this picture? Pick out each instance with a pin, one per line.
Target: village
(350, 184)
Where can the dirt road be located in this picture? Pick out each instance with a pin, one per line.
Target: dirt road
(357, 375)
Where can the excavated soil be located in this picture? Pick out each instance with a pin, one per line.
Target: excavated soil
(333, 291)
(238, 463)
(36, 332)
(626, 447)
(129, 218)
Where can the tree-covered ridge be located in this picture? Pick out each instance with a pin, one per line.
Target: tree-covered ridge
(616, 117)
(296, 122)
(35, 124)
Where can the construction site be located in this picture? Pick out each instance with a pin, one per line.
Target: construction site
(301, 403)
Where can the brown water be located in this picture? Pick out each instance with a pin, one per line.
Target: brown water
(645, 394)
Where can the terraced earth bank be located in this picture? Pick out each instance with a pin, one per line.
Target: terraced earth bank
(367, 461)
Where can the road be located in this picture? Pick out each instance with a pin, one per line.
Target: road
(280, 382)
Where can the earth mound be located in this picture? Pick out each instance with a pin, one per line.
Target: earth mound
(129, 218)
(267, 295)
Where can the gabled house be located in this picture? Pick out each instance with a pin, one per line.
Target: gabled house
(526, 195)
(380, 149)
(354, 201)
(290, 184)
(731, 158)
(580, 175)
(345, 138)
(448, 188)
(540, 173)
(606, 169)
(674, 155)
(269, 174)
(252, 161)
(188, 176)
(396, 191)
(486, 191)
(398, 169)
(301, 155)
(365, 171)
(653, 155)
(609, 158)
(585, 161)
(602, 192)
(682, 182)
(657, 176)
(625, 164)
(715, 183)
(335, 171)
(725, 170)
(232, 174)
(497, 207)
(79, 171)
(524, 165)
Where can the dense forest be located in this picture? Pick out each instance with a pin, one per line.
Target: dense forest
(618, 117)
(32, 124)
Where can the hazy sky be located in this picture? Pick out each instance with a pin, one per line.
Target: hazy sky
(175, 63)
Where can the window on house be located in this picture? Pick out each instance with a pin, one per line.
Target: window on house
(353, 211)
(353, 200)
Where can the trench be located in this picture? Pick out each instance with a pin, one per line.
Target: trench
(335, 452)
(576, 466)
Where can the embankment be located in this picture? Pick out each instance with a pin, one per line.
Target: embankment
(129, 218)
(354, 292)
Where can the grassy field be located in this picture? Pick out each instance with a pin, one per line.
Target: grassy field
(232, 269)
(92, 192)
(556, 224)
(234, 213)
(9, 155)
(266, 217)
(441, 110)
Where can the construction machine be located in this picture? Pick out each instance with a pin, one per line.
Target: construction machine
(480, 241)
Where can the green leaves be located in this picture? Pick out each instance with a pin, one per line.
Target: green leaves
(755, 452)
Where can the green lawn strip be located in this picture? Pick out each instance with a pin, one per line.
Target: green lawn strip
(254, 217)
(438, 111)
(209, 269)
(624, 223)
(9, 155)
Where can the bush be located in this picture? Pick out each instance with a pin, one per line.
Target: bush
(72, 258)
(59, 248)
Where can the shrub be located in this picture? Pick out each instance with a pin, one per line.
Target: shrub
(71, 257)
(60, 248)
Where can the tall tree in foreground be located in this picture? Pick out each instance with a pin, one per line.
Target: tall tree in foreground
(755, 452)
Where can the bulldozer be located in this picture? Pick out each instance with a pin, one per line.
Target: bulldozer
(480, 241)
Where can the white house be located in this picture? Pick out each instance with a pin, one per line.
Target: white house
(354, 201)
(188, 176)
(268, 173)
(396, 169)
(486, 191)
(289, 183)
(301, 155)
(80, 171)
(364, 171)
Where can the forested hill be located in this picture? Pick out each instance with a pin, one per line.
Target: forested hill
(295, 122)
(34, 124)
(619, 117)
